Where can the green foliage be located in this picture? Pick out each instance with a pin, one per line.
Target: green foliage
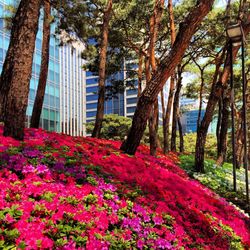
(210, 148)
(113, 127)
(218, 178)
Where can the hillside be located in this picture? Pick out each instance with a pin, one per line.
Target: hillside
(59, 192)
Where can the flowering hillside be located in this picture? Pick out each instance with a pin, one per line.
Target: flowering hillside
(59, 192)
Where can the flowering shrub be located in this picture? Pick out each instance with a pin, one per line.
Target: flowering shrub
(59, 192)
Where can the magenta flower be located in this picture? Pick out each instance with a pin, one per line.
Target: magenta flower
(28, 169)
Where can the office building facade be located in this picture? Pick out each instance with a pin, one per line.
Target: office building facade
(124, 104)
(72, 90)
(58, 88)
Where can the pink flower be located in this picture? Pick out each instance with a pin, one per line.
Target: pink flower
(9, 219)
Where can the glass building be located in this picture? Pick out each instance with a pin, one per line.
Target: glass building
(57, 88)
(51, 108)
(123, 104)
(114, 105)
(72, 90)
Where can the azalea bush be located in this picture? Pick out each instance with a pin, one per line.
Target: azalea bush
(59, 192)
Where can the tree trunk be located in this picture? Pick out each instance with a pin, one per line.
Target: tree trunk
(38, 104)
(200, 97)
(153, 128)
(222, 149)
(166, 131)
(176, 110)
(216, 93)
(167, 115)
(102, 71)
(164, 71)
(239, 144)
(218, 127)
(180, 133)
(163, 122)
(140, 71)
(154, 116)
(213, 99)
(16, 74)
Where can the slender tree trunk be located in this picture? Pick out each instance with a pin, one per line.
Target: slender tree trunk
(175, 110)
(38, 104)
(16, 74)
(222, 149)
(164, 71)
(164, 122)
(140, 71)
(102, 70)
(213, 99)
(200, 97)
(154, 116)
(168, 114)
(166, 131)
(218, 127)
(180, 133)
(151, 121)
(216, 93)
(239, 144)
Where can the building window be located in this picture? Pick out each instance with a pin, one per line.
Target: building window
(91, 106)
(131, 109)
(132, 100)
(91, 114)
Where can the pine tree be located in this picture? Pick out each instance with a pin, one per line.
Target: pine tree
(165, 70)
(16, 74)
(38, 104)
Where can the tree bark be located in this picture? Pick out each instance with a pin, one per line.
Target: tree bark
(218, 127)
(140, 71)
(164, 71)
(163, 122)
(239, 143)
(38, 104)
(154, 116)
(102, 70)
(180, 133)
(176, 109)
(222, 148)
(200, 97)
(16, 74)
(166, 131)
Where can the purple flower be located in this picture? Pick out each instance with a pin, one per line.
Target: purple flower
(138, 209)
(157, 220)
(28, 169)
(59, 166)
(134, 223)
(163, 244)
(31, 153)
(41, 169)
(140, 244)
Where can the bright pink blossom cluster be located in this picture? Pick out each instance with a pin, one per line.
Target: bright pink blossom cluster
(59, 192)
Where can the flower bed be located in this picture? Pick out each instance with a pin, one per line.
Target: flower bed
(59, 192)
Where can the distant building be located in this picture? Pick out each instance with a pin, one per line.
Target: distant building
(72, 90)
(124, 104)
(189, 120)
